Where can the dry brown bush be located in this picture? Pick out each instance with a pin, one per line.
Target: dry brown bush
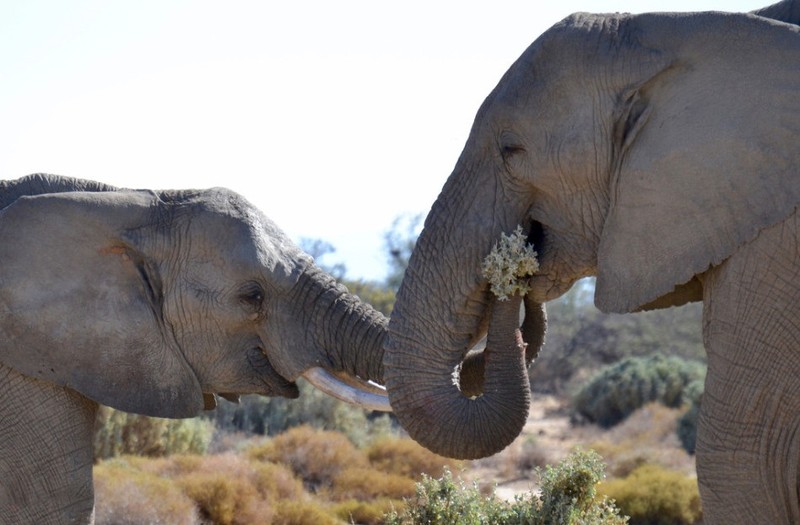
(225, 500)
(646, 436)
(653, 494)
(366, 484)
(316, 456)
(404, 457)
(303, 513)
(127, 496)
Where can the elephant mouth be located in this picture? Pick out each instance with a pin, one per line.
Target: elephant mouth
(275, 384)
(536, 234)
(271, 382)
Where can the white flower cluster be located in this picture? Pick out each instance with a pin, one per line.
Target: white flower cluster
(509, 264)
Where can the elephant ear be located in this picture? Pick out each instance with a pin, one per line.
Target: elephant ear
(80, 306)
(707, 155)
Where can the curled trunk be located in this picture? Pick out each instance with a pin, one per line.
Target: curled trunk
(438, 415)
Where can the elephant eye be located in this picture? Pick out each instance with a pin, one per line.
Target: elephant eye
(509, 151)
(251, 296)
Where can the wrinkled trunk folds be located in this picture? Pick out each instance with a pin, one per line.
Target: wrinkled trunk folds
(438, 415)
(473, 368)
(349, 335)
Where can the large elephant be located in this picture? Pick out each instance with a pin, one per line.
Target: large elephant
(149, 302)
(659, 153)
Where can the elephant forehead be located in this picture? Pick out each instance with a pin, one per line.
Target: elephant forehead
(242, 243)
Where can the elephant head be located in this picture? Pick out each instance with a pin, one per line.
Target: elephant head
(147, 301)
(153, 302)
(638, 149)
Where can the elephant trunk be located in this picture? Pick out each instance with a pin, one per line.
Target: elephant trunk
(348, 335)
(473, 369)
(464, 409)
(441, 417)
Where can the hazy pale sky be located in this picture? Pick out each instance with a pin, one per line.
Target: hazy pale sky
(332, 117)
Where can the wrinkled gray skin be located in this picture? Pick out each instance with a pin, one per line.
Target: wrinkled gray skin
(148, 302)
(660, 153)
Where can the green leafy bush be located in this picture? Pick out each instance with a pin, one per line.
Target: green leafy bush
(616, 391)
(652, 495)
(568, 497)
(118, 433)
(446, 501)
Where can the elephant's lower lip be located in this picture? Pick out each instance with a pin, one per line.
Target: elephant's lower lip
(276, 384)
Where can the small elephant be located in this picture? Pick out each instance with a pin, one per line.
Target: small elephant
(150, 302)
(661, 154)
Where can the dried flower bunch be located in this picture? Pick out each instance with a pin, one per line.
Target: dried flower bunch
(509, 265)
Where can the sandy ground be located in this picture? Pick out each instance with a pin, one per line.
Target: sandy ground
(548, 437)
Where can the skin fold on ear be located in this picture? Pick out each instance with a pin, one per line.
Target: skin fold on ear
(714, 162)
(79, 307)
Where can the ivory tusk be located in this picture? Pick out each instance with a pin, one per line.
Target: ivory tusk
(359, 384)
(359, 393)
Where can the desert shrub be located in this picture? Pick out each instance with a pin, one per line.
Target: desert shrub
(167, 467)
(303, 513)
(616, 391)
(365, 484)
(405, 457)
(652, 495)
(225, 500)
(276, 482)
(366, 512)
(519, 460)
(225, 488)
(446, 501)
(568, 492)
(648, 435)
(118, 433)
(125, 495)
(567, 497)
(316, 456)
(687, 424)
